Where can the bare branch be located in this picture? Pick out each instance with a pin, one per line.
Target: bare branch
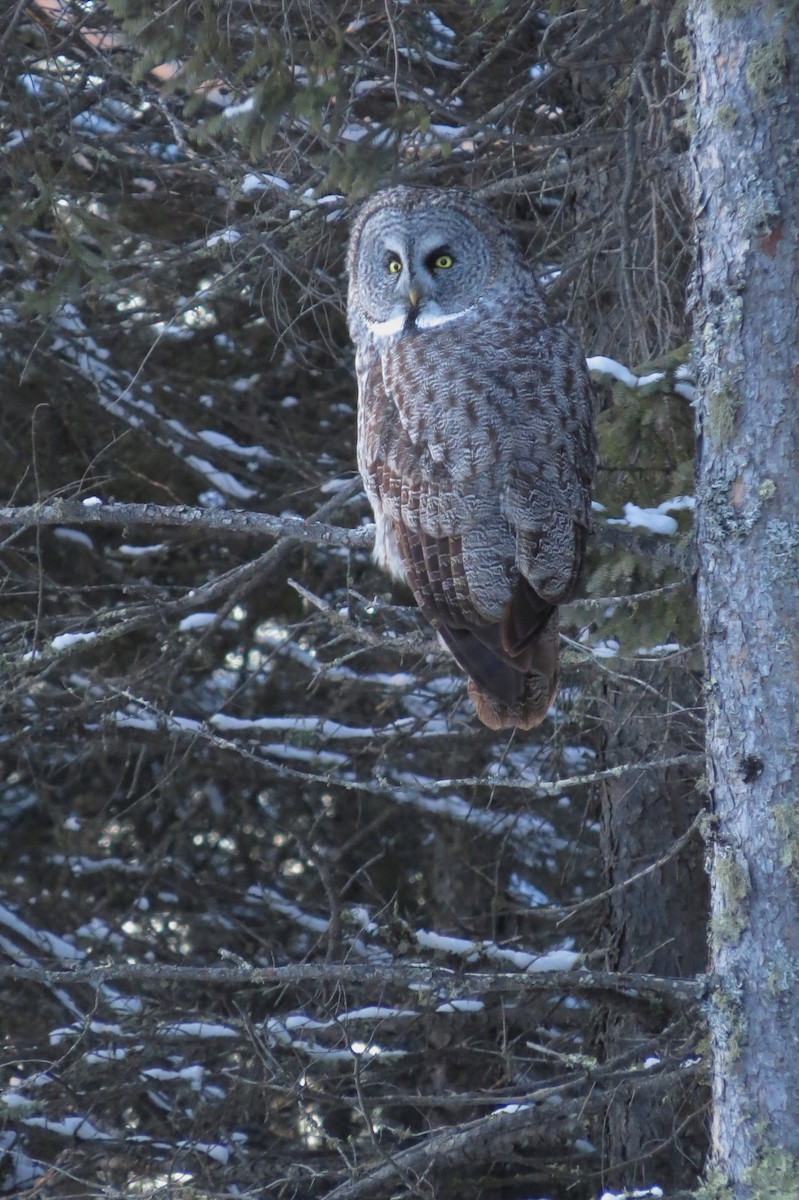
(294, 529)
(412, 976)
(76, 512)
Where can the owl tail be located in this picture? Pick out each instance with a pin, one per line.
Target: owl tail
(512, 665)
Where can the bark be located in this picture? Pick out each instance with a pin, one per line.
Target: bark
(746, 181)
(656, 924)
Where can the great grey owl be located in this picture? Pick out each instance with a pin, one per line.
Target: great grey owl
(475, 438)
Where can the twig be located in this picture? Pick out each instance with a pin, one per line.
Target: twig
(411, 643)
(674, 849)
(601, 602)
(558, 786)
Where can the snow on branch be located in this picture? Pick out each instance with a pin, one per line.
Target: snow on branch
(680, 379)
(146, 717)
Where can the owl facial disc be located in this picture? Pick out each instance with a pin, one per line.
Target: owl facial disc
(419, 272)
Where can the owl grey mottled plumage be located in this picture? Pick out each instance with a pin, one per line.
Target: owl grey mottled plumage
(475, 438)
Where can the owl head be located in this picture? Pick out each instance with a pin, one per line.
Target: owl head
(423, 257)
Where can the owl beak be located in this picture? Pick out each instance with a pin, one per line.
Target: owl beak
(413, 296)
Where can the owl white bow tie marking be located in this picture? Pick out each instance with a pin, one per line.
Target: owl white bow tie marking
(433, 320)
(387, 328)
(424, 321)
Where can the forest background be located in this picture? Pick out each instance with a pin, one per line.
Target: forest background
(277, 917)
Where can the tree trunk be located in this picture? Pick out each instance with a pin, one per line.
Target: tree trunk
(656, 925)
(746, 71)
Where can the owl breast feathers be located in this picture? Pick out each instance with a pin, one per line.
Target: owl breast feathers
(475, 438)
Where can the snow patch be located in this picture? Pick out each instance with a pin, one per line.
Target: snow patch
(259, 183)
(137, 551)
(652, 519)
(198, 620)
(199, 1029)
(227, 237)
(638, 1194)
(74, 535)
(461, 1006)
(63, 641)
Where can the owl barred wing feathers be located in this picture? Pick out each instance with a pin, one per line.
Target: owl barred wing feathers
(475, 440)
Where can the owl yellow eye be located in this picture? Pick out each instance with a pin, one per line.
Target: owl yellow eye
(443, 261)
(394, 266)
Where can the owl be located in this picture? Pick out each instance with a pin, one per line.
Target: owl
(475, 438)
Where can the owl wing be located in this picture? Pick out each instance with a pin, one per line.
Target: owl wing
(429, 523)
(479, 468)
(547, 498)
